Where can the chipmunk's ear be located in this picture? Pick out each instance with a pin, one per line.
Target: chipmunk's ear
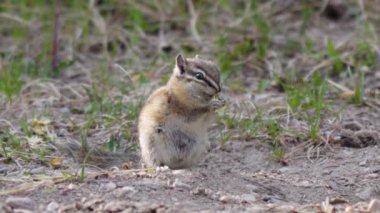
(181, 63)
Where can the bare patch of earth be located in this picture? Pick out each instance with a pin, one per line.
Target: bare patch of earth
(238, 176)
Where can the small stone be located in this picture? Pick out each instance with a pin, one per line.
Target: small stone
(374, 206)
(64, 110)
(71, 186)
(227, 199)
(284, 170)
(129, 189)
(363, 163)
(21, 203)
(305, 183)
(52, 207)
(108, 187)
(248, 198)
(200, 191)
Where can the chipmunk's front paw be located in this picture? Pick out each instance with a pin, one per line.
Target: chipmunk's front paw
(217, 103)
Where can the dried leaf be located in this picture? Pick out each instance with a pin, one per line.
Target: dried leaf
(56, 163)
(347, 94)
(39, 126)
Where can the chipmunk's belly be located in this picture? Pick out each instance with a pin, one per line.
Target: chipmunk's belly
(187, 142)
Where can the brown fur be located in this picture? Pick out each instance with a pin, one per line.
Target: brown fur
(173, 123)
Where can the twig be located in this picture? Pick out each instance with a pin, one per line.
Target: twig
(361, 5)
(14, 18)
(338, 86)
(323, 64)
(324, 6)
(193, 21)
(161, 39)
(54, 60)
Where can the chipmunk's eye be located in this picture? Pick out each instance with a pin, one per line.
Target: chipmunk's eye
(199, 76)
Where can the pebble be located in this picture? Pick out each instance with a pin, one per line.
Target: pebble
(200, 191)
(374, 206)
(305, 183)
(64, 110)
(52, 207)
(71, 186)
(21, 203)
(363, 163)
(248, 198)
(108, 187)
(227, 199)
(284, 170)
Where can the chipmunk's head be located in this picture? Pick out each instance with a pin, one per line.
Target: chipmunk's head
(197, 80)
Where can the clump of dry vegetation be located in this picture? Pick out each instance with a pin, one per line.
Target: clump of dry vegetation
(289, 68)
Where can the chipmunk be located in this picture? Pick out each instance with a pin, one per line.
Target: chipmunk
(173, 123)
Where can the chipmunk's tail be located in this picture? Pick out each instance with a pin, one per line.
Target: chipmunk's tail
(96, 156)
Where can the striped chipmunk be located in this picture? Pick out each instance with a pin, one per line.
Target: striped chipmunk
(174, 121)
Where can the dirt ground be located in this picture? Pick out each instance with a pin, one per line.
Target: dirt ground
(336, 171)
(236, 177)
